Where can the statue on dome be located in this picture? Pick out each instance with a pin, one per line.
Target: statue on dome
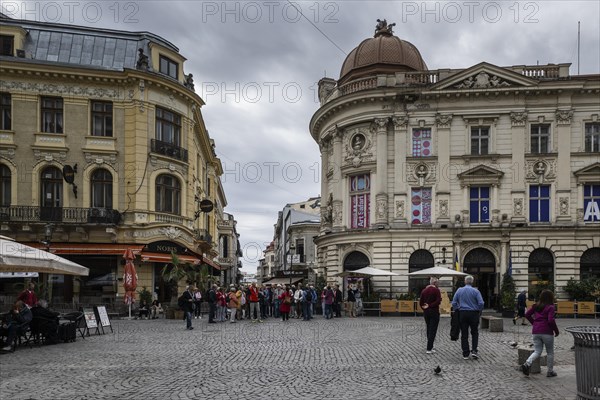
(382, 28)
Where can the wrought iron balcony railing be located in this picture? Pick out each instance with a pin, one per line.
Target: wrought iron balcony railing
(169, 150)
(75, 215)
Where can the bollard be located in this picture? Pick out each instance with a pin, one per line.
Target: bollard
(524, 353)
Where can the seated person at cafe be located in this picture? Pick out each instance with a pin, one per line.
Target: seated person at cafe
(45, 322)
(143, 310)
(15, 322)
(155, 309)
(28, 296)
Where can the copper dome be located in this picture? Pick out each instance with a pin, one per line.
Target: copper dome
(384, 53)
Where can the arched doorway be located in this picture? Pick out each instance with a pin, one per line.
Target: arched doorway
(541, 271)
(419, 260)
(352, 262)
(589, 264)
(481, 263)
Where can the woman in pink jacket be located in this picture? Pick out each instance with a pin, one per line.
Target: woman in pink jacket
(544, 330)
(285, 305)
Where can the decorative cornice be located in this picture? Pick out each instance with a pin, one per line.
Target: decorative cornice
(62, 89)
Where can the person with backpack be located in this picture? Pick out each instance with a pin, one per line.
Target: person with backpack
(212, 304)
(186, 303)
(544, 330)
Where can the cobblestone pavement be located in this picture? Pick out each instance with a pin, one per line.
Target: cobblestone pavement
(362, 358)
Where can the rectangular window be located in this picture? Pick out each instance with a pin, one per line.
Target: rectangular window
(479, 204)
(102, 118)
(421, 142)
(7, 44)
(480, 138)
(168, 67)
(540, 139)
(539, 203)
(360, 186)
(5, 111)
(591, 203)
(592, 137)
(52, 115)
(420, 206)
(168, 127)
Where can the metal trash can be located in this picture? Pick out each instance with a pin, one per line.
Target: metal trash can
(587, 361)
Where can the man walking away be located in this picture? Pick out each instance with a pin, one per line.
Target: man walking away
(521, 306)
(187, 305)
(468, 301)
(338, 300)
(430, 303)
(212, 304)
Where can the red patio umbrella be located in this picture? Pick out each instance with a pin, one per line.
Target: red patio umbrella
(129, 279)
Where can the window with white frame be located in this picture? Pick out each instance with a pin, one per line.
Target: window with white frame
(479, 204)
(540, 138)
(592, 137)
(539, 203)
(480, 140)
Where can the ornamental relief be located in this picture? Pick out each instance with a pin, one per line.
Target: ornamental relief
(518, 207)
(399, 209)
(518, 118)
(50, 155)
(563, 117)
(336, 214)
(61, 89)
(540, 170)
(8, 154)
(563, 205)
(91, 158)
(443, 208)
(482, 80)
(421, 173)
(358, 146)
(158, 164)
(443, 120)
(170, 232)
(382, 208)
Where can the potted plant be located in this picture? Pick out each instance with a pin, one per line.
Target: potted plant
(508, 292)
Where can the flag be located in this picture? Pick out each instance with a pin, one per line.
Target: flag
(456, 264)
(509, 270)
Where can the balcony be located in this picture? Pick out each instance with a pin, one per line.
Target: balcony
(169, 150)
(203, 235)
(67, 215)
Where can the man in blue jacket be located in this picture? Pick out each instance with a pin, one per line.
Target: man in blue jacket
(469, 302)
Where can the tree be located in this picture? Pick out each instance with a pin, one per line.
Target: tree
(177, 271)
(508, 292)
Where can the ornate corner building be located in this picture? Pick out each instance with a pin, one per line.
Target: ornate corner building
(103, 147)
(484, 166)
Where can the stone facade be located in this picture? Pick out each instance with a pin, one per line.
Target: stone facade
(481, 166)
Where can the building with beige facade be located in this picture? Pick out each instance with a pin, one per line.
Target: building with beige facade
(485, 167)
(103, 147)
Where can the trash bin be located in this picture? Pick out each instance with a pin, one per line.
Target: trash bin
(587, 361)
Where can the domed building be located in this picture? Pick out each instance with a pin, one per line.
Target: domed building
(482, 169)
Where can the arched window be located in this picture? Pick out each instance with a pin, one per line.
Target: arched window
(355, 260)
(419, 260)
(101, 187)
(168, 194)
(5, 180)
(589, 264)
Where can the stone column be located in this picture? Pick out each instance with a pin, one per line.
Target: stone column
(442, 150)
(400, 152)
(563, 167)
(338, 182)
(381, 197)
(326, 174)
(518, 121)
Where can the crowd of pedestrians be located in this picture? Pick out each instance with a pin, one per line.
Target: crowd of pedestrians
(257, 303)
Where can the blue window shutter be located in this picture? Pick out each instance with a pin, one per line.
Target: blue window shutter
(587, 189)
(545, 191)
(474, 211)
(485, 192)
(533, 191)
(595, 190)
(474, 192)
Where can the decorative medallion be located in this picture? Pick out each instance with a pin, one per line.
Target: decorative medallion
(399, 208)
(443, 208)
(540, 170)
(400, 121)
(358, 147)
(518, 118)
(563, 117)
(518, 207)
(563, 205)
(443, 120)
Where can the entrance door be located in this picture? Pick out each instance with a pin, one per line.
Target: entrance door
(51, 195)
(481, 263)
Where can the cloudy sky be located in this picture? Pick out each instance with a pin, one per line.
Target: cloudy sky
(256, 65)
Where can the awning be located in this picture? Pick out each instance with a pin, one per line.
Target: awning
(90, 248)
(17, 257)
(282, 281)
(211, 263)
(166, 258)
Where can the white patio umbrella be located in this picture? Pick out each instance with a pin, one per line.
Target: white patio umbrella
(17, 257)
(365, 272)
(436, 271)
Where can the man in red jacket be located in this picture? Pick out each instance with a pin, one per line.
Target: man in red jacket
(254, 309)
(430, 303)
(28, 296)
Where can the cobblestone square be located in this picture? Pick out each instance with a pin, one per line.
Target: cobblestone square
(362, 358)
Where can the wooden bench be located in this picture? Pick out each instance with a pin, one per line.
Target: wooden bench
(494, 324)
